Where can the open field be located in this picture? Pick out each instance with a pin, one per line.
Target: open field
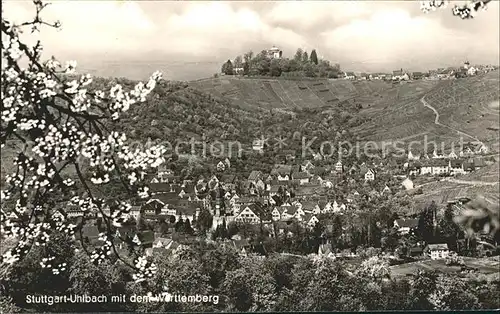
(483, 266)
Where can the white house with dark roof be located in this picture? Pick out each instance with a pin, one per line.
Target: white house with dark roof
(437, 251)
(349, 76)
(311, 220)
(456, 167)
(404, 226)
(276, 214)
(248, 214)
(369, 175)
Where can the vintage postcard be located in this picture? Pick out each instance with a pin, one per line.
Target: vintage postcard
(249, 156)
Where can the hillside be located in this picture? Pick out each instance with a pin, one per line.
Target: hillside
(466, 108)
(483, 181)
(279, 93)
(175, 110)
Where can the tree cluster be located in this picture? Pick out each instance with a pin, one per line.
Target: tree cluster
(301, 65)
(276, 283)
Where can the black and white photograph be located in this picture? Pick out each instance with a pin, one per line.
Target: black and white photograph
(249, 156)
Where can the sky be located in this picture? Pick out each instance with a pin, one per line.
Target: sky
(191, 39)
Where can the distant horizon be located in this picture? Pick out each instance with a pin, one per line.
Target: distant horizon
(192, 70)
(365, 36)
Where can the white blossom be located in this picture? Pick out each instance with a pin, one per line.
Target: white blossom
(55, 117)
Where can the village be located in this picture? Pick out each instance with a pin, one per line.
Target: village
(294, 193)
(237, 67)
(466, 70)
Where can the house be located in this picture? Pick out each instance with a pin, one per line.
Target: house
(276, 214)
(309, 190)
(221, 166)
(426, 168)
(258, 145)
(254, 176)
(349, 76)
(456, 167)
(353, 170)
(417, 75)
(482, 149)
(325, 250)
(369, 175)
(163, 173)
(415, 251)
(275, 190)
(290, 154)
(413, 157)
(146, 240)
(307, 166)
(469, 166)
(159, 187)
(471, 71)
(302, 177)
(436, 155)
(339, 167)
(437, 251)
(283, 176)
(274, 53)
(440, 167)
(468, 150)
(228, 181)
(399, 75)
(162, 242)
(135, 211)
(452, 155)
(152, 207)
(259, 185)
(249, 214)
(461, 73)
(311, 220)
(404, 226)
(478, 163)
(72, 212)
(407, 184)
(281, 172)
(242, 246)
(386, 190)
(289, 212)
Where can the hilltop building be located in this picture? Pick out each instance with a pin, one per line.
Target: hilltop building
(275, 53)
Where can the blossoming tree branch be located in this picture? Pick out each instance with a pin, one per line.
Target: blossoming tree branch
(465, 11)
(69, 128)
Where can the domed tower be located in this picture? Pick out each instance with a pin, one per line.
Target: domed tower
(466, 64)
